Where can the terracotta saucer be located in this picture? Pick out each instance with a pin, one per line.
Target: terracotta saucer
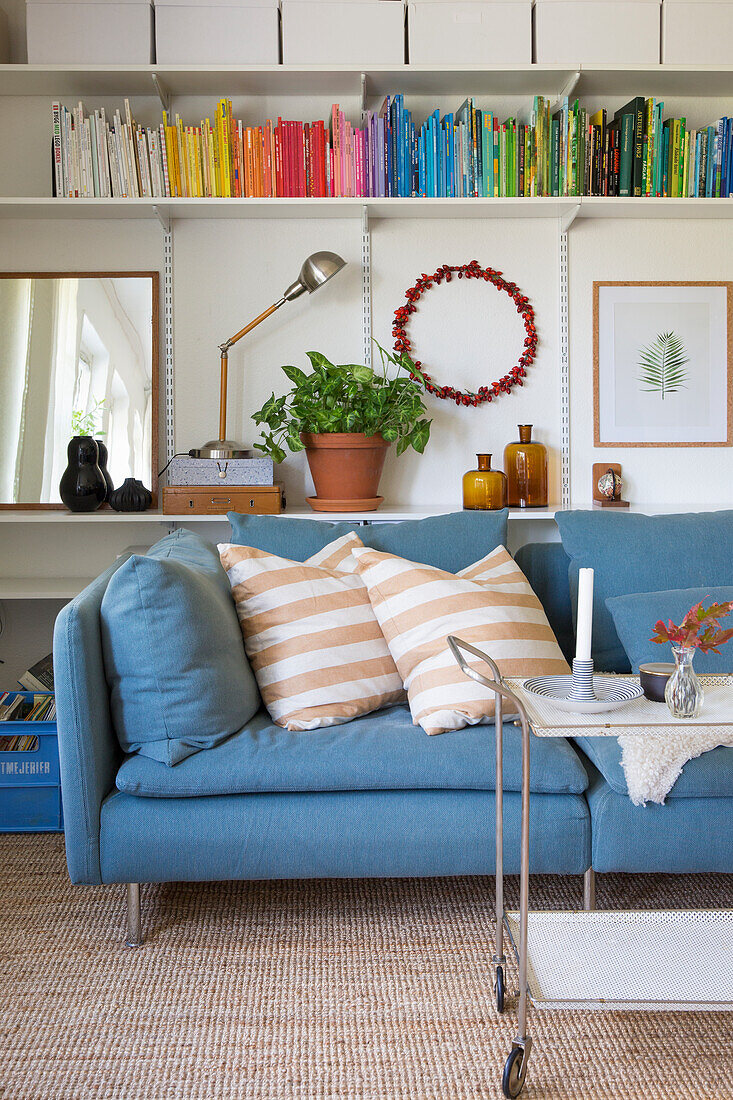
(368, 504)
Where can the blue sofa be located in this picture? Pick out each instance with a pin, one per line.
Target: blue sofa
(373, 797)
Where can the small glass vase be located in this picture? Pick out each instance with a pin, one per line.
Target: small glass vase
(683, 693)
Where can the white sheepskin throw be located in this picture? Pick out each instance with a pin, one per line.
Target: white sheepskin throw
(653, 762)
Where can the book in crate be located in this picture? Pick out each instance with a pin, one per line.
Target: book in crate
(30, 784)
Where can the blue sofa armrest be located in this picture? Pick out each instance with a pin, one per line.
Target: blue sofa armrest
(89, 753)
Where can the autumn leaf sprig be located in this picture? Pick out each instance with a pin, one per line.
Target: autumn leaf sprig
(700, 628)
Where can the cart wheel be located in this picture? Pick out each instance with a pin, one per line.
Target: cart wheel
(512, 1081)
(499, 989)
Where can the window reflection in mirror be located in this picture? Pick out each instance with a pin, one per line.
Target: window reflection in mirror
(78, 355)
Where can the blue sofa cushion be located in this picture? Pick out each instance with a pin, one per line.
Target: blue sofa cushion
(636, 553)
(634, 617)
(683, 836)
(336, 834)
(174, 656)
(707, 776)
(382, 751)
(449, 542)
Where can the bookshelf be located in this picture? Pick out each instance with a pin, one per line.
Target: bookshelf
(298, 91)
(196, 209)
(306, 81)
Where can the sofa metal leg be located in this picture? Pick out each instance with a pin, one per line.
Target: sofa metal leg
(134, 927)
(589, 890)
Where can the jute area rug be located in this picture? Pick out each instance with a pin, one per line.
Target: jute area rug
(344, 989)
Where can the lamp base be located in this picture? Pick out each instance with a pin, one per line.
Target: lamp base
(221, 448)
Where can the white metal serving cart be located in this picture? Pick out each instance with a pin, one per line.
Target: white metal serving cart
(591, 960)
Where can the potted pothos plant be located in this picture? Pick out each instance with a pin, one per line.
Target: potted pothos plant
(345, 416)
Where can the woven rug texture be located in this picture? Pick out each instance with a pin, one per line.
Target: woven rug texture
(354, 989)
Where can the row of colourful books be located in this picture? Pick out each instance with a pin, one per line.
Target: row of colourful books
(639, 153)
(468, 153)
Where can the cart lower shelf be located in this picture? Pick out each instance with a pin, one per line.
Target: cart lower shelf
(665, 960)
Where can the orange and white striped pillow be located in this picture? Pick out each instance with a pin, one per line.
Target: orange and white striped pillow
(489, 604)
(311, 637)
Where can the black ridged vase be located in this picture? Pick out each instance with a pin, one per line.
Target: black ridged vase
(82, 486)
(103, 459)
(131, 496)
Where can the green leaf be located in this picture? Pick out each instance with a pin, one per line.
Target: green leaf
(318, 360)
(295, 443)
(662, 365)
(295, 374)
(361, 373)
(420, 435)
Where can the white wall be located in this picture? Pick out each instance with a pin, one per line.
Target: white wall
(638, 250)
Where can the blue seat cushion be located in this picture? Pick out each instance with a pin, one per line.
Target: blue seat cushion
(685, 835)
(382, 751)
(449, 542)
(707, 776)
(634, 618)
(636, 553)
(336, 834)
(174, 655)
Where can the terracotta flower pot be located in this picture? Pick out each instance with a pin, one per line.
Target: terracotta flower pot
(346, 468)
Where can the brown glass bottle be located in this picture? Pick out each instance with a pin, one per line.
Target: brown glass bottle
(484, 488)
(525, 463)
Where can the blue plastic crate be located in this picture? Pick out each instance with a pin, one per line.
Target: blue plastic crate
(30, 785)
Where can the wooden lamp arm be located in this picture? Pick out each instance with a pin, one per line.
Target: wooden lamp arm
(224, 348)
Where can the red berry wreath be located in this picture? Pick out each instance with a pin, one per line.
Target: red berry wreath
(471, 270)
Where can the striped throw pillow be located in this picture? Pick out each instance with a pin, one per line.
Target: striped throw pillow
(311, 637)
(489, 604)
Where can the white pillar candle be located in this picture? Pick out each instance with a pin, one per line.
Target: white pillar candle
(584, 624)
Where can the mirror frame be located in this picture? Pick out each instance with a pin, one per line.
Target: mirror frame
(154, 276)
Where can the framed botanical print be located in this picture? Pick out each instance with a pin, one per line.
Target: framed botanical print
(662, 356)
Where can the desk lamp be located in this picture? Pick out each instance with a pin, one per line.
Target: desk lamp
(317, 270)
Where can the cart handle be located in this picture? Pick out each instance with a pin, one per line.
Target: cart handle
(495, 683)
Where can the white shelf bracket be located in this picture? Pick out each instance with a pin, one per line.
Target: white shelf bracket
(164, 220)
(366, 286)
(170, 440)
(163, 94)
(564, 334)
(568, 89)
(363, 93)
(567, 219)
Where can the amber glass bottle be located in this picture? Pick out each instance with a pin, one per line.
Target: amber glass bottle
(484, 488)
(525, 463)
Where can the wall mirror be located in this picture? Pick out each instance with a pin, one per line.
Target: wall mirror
(76, 345)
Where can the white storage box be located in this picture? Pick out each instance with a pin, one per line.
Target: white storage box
(482, 32)
(697, 32)
(350, 32)
(597, 32)
(90, 32)
(227, 32)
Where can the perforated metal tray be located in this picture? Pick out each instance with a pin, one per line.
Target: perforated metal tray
(645, 960)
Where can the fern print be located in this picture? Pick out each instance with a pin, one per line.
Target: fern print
(662, 365)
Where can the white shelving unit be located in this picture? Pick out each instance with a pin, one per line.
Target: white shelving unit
(362, 88)
(304, 81)
(172, 209)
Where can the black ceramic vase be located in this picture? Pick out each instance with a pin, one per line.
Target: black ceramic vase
(103, 458)
(82, 485)
(131, 496)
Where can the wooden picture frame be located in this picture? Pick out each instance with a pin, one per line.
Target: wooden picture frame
(154, 277)
(719, 378)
